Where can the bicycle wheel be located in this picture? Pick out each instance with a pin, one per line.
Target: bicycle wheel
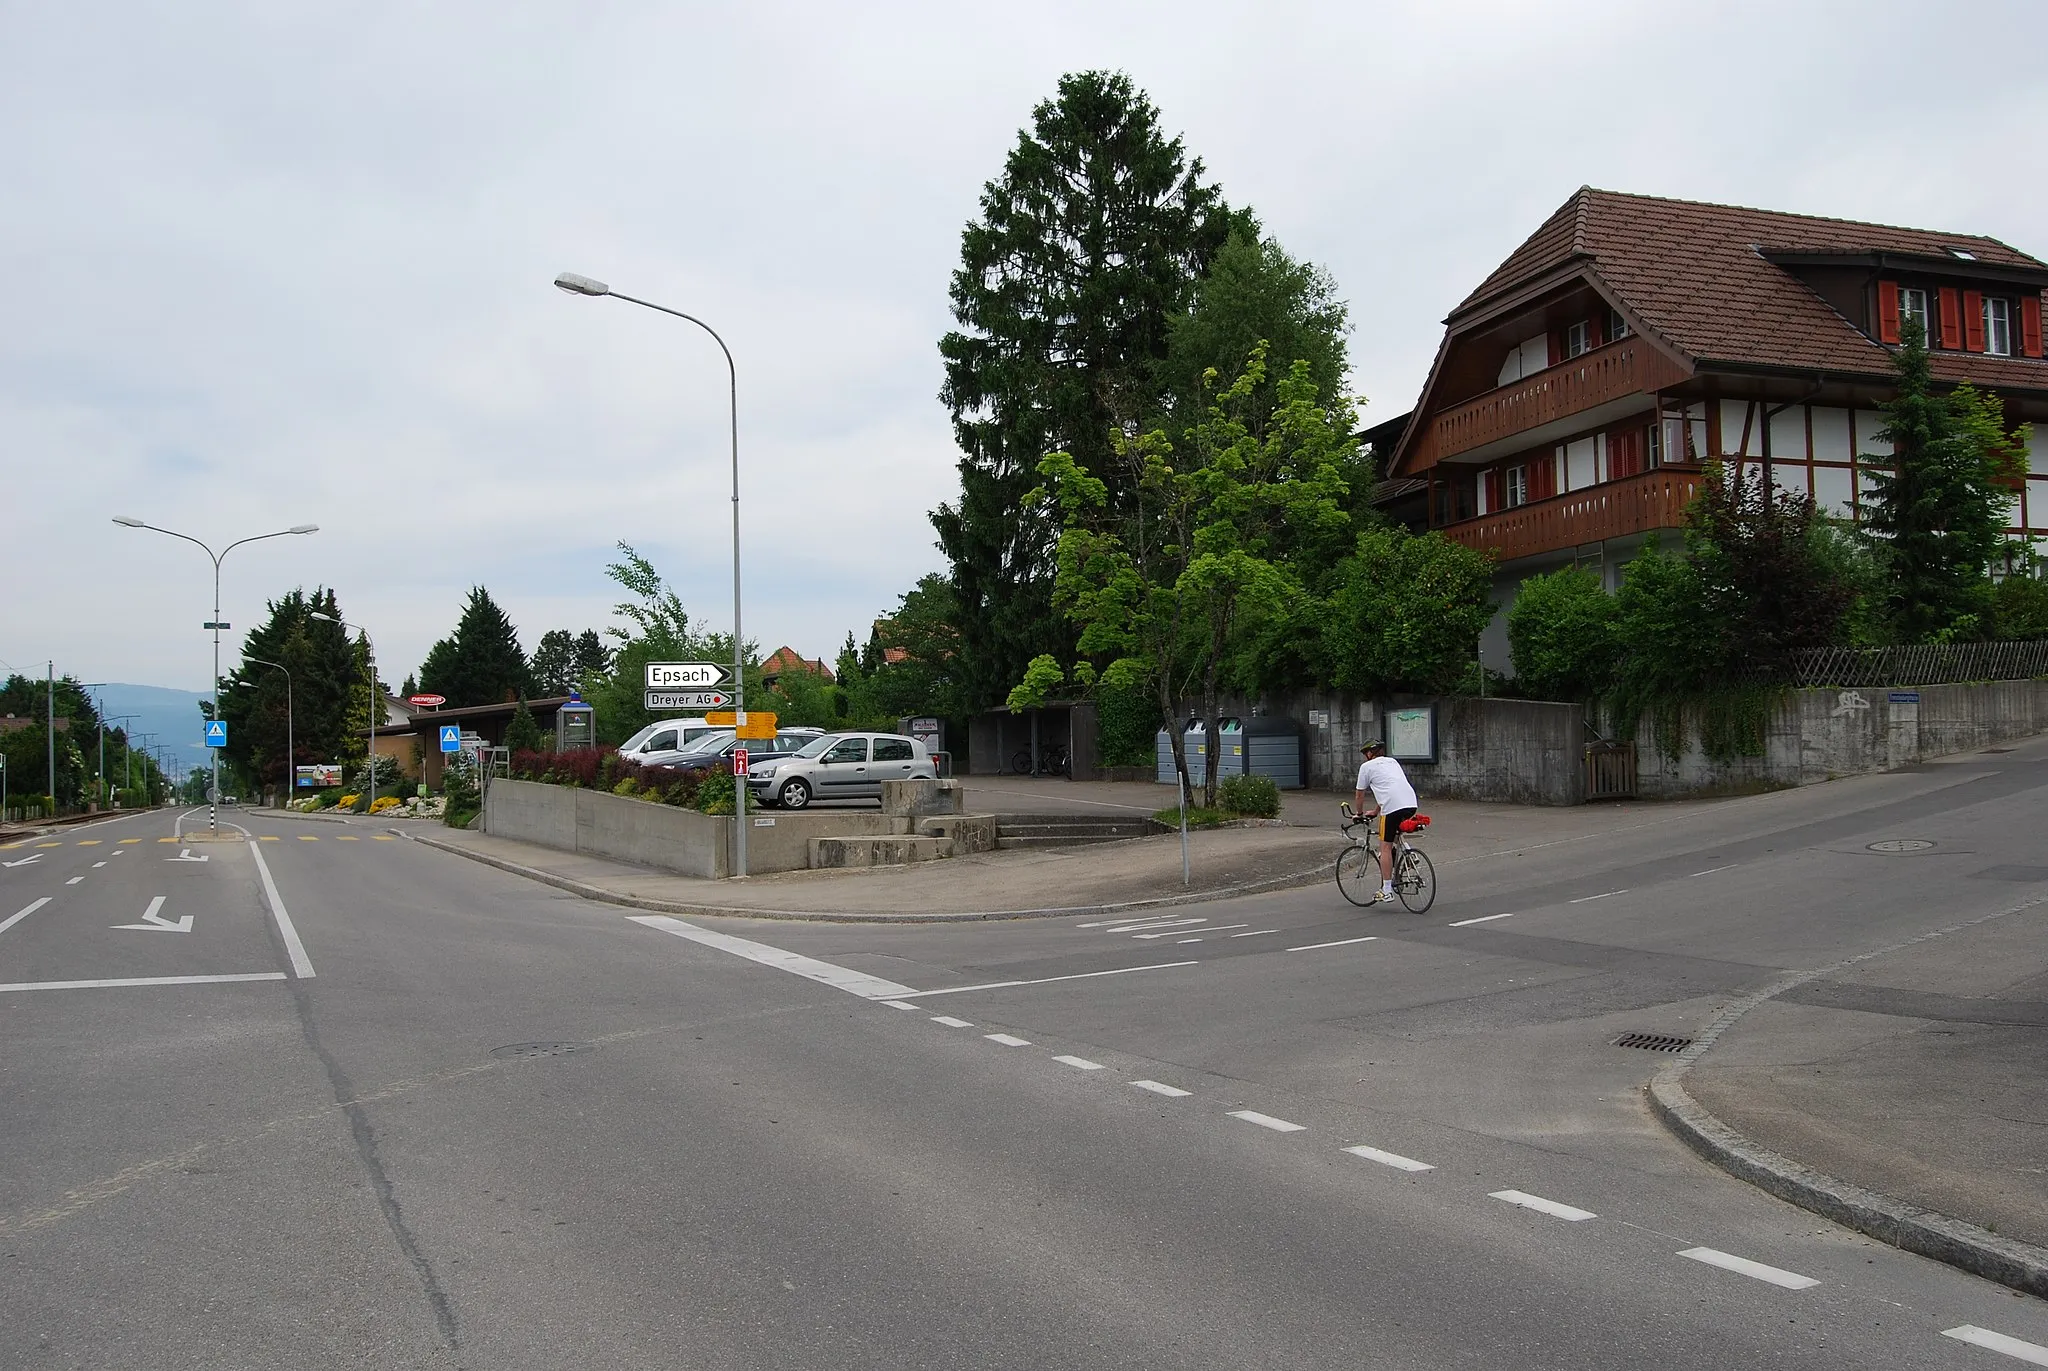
(1358, 874)
(1021, 762)
(1415, 880)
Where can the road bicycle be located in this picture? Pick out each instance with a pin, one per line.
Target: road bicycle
(1052, 761)
(1358, 865)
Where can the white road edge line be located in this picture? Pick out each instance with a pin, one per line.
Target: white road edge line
(949, 1021)
(18, 916)
(1079, 1063)
(2029, 1352)
(1268, 1121)
(1007, 1039)
(1586, 899)
(1543, 1206)
(1044, 980)
(1341, 942)
(1393, 1159)
(302, 965)
(1482, 919)
(1712, 869)
(1161, 1088)
(838, 977)
(144, 980)
(1743, 1266)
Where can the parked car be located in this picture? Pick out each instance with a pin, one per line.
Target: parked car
(658, 743)
(714, 751)
(840, 766)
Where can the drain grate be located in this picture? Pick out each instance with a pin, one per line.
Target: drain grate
(1653, 1042)
(540, 1049)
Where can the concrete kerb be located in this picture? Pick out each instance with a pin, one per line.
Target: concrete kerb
(2022, 1266)
(1308, 876)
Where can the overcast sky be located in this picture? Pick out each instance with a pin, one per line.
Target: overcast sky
(272, 264)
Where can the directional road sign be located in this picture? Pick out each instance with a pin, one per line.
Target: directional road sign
(739, 762)
(755, 723)
(451, 737)
(687, 675)
(216, 733)
(688, 699)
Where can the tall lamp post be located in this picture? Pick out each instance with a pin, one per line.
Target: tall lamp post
(376, 702)
(583, 285)
(291, 755)
(213, 795)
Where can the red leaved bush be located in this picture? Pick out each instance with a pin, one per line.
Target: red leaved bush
(602, 768)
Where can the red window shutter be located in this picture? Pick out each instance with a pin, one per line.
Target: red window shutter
(1542, 478)
(1596, 329)
(1555, 345)
(1951, 318)
(1887, 311)
(1973, 320)
(1493, 491)
(2030, 325)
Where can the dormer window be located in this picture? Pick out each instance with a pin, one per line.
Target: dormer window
(1998, 326)
(1913, 305)
(1577, 339)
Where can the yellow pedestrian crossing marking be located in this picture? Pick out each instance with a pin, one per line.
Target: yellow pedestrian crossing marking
(269, 838)
(347, 838)
(167, 840)
(88, 842)
(385, 838)
(308, 838)
(49, 844)
(126, 841)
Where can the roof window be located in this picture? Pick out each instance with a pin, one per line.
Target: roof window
(1963, 253)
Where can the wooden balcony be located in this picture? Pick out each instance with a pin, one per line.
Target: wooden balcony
(1625, 367)
(1635, 504)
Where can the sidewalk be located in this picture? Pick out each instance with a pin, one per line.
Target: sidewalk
(1902, 1095)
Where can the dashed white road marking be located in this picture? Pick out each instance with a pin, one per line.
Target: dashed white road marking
(1543, 1206)
(1079, 1063)
(1393, 1159)
(1341, 942)
(1482, 919)
(949, 1021)
(12, 919)
(1255, 933)
(1007, 1040)
(1212, 928)
(143, 980)
(1267, 1121)
(1743, 1266)
(838, 977)
(1144, 925)
(2032, 1353)
(97, 865)
(1712, 869)
(1043, 980)
(898, 1004)
(74, 880)
(1585, 899)
(1160, 1088)
(1187, 940)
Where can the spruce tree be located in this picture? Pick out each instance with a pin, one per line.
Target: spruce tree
(554, 662)
(1088, 243)
(482, 663)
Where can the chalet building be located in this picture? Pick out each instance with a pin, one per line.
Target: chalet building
(787, 659)
(1579, 388)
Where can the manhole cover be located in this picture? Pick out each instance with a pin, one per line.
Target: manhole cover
(1901, 845)
(540, 1049)
(1653, 1042)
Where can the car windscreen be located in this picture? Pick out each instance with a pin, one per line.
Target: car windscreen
(818, 746)
(709, 742)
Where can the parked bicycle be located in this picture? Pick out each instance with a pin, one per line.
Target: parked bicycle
(1358, 865)
(1052, 761)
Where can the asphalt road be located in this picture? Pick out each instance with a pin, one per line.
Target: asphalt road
(478, 1122)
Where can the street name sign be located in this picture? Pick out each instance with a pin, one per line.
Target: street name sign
(216, 733)
(687, 675)
(688, 699)
(451, 737)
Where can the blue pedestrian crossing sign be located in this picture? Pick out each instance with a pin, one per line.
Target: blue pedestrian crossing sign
(216, 733)
(451, 737)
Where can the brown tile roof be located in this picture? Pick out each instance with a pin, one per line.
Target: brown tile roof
(789, 659)
(1696, 277)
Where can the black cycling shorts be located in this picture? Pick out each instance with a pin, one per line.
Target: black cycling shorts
(1390, 823)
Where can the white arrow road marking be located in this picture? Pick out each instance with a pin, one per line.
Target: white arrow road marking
(185, 855)
(31, 857)
(153, 920)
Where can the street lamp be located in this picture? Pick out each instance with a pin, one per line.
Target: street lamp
(376, 704)
(574, 284)
(213, 798)
(291, 756)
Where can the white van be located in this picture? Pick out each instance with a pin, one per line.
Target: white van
(664, 737)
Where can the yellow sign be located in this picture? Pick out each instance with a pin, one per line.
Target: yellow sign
(760, 722)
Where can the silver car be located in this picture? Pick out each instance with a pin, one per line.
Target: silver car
(841, 766)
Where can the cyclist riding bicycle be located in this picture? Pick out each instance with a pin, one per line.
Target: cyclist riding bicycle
(1393, 800)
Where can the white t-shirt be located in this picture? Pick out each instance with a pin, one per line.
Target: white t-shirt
(1388, 783)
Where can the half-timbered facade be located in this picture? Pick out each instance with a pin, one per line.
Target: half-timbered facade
(1579, 388)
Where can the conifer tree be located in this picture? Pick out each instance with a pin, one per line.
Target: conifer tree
(482, 663)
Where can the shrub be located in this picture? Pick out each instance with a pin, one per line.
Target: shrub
(1406, 613)
(1256, 797)
(2019, 608)
(716, 794)
(346, 801)
(1127, 715)
(384, 802)
(1561, 631)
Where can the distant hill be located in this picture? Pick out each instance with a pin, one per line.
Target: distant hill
(172, 715)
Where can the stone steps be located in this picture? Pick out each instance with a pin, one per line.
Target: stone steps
(1070, 830)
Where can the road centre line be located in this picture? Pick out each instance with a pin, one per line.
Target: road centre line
(144, 980)
(1161, 1088)
(1255, 933)
(1079, 1063)
(1601, 896)
(97, 865)
(1007, 1039)
(1393, 1159)
(1482, 919)
(1341, 942)
(949, 1021)
(825, 973)
(74, 880)
(1268, 1121)
(19, 915)
(302, 965)
(2031, 1353)
(1743, 1266)
(1543, 1206)
(1044, 980)
(1712, 869)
